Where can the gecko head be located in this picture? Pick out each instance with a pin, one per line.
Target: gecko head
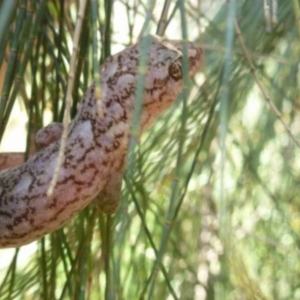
(161, 63)
(164, 76)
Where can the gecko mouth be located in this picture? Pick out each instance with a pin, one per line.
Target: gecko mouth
(175, 71)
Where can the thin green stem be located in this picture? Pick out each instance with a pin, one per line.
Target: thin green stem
(7, 11)
(297, 15)
(149, 236)
(107, 30)
(11, 64)
(224, 103)
(169, 219)
(22, 67)
(163, 21)
(96, 69)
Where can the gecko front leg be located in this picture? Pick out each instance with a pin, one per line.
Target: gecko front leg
(43, 138)
(49, 134)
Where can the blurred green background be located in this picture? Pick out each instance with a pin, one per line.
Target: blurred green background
(210, 207)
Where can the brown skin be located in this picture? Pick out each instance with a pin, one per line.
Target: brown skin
(96, 147)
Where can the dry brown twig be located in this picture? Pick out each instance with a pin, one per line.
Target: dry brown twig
(261, 87)
(66, 120)
(163, 19)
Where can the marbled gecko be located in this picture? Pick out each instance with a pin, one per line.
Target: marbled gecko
(96, 148)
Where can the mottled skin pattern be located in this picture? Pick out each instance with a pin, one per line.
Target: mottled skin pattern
(96, 148)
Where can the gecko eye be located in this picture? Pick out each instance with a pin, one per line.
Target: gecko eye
(175, 70)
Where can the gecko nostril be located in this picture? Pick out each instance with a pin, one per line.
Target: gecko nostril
(175, 71)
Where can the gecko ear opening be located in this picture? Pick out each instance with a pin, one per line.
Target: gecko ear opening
(175, 71)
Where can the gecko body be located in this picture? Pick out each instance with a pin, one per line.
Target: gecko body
(96, 148)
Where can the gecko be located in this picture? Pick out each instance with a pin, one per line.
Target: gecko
(96, 148)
